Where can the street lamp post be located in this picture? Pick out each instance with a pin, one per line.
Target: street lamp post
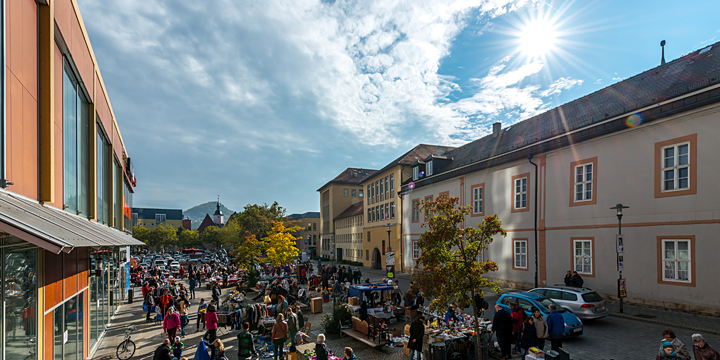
(619, 208)
(389, 245)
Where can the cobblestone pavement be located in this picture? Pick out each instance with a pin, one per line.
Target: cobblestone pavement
(609, 338)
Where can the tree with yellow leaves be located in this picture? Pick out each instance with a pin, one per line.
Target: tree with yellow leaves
(248, 253)
(280, 245)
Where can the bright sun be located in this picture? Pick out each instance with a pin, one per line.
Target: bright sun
(537, 38)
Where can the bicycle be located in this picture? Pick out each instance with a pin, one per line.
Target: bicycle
(126, 349)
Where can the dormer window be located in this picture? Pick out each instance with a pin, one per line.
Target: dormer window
(416, 173)
(429, 167)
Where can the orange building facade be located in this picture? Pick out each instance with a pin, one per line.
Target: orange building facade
(66, 184)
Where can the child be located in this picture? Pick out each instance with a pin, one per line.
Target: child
(184, 321)
(177, 348)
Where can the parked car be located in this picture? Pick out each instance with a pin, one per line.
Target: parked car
(528, 300)
(159, 262)
(585, 303)
(174, 266)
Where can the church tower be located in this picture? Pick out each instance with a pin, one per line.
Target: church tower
(218, 216)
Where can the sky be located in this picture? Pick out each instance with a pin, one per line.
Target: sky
(262, 101)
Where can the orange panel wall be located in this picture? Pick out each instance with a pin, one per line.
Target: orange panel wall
(72, 34)
(53, 280)
(22, 83)
(102, 108)
(58, 120)
(49, 339)
(70, 273)
(83, 265)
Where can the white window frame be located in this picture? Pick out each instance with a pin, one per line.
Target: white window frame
(416, 211)
(583, 243)
(387, 185)
(675, 168)
(519, 255)
(415, 250)
(392, 182)
(518, 195)
(584, 182)
(345, 192)
(429, 168)
(160, 218)
(676, 261)
(392, 209)
(476, 200)
(416, 172)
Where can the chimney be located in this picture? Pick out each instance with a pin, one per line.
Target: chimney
(496, 129)
(662, 58)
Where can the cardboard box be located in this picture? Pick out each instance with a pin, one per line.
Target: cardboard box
(316, 305)
(406, 349)
(395, 332)
(412, 313)
(354, 301)
(407, 330)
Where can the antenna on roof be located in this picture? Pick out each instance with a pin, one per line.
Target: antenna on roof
(662, 59)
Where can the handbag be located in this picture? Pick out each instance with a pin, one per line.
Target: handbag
(267, 299)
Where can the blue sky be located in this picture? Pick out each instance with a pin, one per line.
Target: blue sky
(262, 101)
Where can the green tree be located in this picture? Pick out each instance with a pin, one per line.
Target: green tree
(258, 220)
(188, 238)
(210, 236)
(142, 234)
(164, 236)
(231, 235)
(449, 252)
(248, 253)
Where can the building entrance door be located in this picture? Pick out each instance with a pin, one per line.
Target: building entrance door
(339, 254)
(376, 261)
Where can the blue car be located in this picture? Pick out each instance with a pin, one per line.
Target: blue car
(526, 300)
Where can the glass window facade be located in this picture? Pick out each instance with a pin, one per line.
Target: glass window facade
(103, 178)
(103, 287)
(20, 297)
(68, 329)
(75, 145)
(117, 193)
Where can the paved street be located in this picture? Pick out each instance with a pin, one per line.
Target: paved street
(608, 338)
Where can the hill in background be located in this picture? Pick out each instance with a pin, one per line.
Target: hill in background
(197, 213)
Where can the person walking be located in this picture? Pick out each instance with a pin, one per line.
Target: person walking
(171, 324)
(568, 277)
(163, 351)
(216, 293)
(292, 322)
(218, 350)
(300, 317)
(202, 309)
(680, 350)
(417, 333)
(527, 337)
(246, 343)
(502, 326)
(556, 328)
(541, 327)
(518, 316)
(702, 350)
(279, 336)
(321, 351)
(211, 323)
(184, 321)
(149, 302)
(193, 284)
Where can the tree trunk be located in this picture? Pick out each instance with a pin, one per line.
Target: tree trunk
(476, 325)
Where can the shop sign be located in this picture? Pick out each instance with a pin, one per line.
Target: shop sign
(390, 258)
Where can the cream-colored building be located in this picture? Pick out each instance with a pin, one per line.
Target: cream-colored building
(336, 196)
(648, 142)
(349, 233)
(309, 235)
(382, 206)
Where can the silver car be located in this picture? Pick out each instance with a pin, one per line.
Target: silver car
(585, 303)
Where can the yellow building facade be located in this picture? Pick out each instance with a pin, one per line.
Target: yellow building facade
(349, 234)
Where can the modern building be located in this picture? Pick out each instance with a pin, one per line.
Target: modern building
(382, 219)
(150, 218)
(66, 184)
(648, 142)
(349, 233)
(336, 196)
(310, 232)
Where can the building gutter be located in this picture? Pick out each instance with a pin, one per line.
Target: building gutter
(536, 218)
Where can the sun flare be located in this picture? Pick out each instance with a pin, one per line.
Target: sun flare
(538, 38)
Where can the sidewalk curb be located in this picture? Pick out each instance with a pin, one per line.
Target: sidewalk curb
(635, 318)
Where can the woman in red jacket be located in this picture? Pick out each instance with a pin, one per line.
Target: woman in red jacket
(211, 323)
(171, 324)
(279, 336)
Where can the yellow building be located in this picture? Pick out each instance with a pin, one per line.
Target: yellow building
(309, 234)
(151, 218)
(335, 197)
(383, 214)
(349, 234)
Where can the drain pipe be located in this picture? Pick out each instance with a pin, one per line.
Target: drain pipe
(3, 101)
(536, 218)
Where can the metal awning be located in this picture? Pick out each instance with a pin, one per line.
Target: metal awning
(53, 229)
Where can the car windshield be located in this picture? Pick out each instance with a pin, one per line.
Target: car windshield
(592, 297)
(544, 304)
